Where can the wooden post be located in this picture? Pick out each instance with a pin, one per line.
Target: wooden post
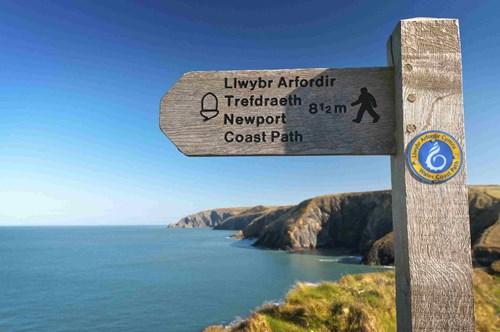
(430, 207)
(431, 221)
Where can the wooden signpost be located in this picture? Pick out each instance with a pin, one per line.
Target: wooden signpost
(411, 110)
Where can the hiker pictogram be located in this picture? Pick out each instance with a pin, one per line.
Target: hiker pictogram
(367, 102)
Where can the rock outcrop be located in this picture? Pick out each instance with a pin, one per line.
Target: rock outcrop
(487, 248)
(381, 252)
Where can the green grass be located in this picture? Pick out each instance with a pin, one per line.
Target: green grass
(364, 302)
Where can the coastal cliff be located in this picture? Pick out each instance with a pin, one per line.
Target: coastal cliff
(354, 223)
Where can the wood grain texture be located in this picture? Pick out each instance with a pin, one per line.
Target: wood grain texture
(322, 133)
(431, 222)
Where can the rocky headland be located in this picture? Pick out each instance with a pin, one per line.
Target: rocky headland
(208, 218)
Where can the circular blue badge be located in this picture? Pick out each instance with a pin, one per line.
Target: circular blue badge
(434, 156)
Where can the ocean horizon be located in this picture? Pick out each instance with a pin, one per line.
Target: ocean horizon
(144, 278)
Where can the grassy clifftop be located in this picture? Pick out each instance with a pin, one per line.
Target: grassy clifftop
(364, 302)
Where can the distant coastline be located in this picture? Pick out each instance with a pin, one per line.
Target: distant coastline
(351, 224)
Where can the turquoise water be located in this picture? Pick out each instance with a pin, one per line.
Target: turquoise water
(146, 278)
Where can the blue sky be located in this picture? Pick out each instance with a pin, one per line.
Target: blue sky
(81, 82)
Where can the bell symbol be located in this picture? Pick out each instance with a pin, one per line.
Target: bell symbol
(209, 106)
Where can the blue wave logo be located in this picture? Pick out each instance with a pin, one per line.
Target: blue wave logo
(436, 156)
(433, 155)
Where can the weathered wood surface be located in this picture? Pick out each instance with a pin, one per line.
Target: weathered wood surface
(323, 133)
(431, 222)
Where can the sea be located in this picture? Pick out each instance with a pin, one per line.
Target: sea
(144, 278)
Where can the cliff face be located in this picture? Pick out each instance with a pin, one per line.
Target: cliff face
(258, 225)
(487, 248)
(347, 221)
(485, 223)
(208, 218)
